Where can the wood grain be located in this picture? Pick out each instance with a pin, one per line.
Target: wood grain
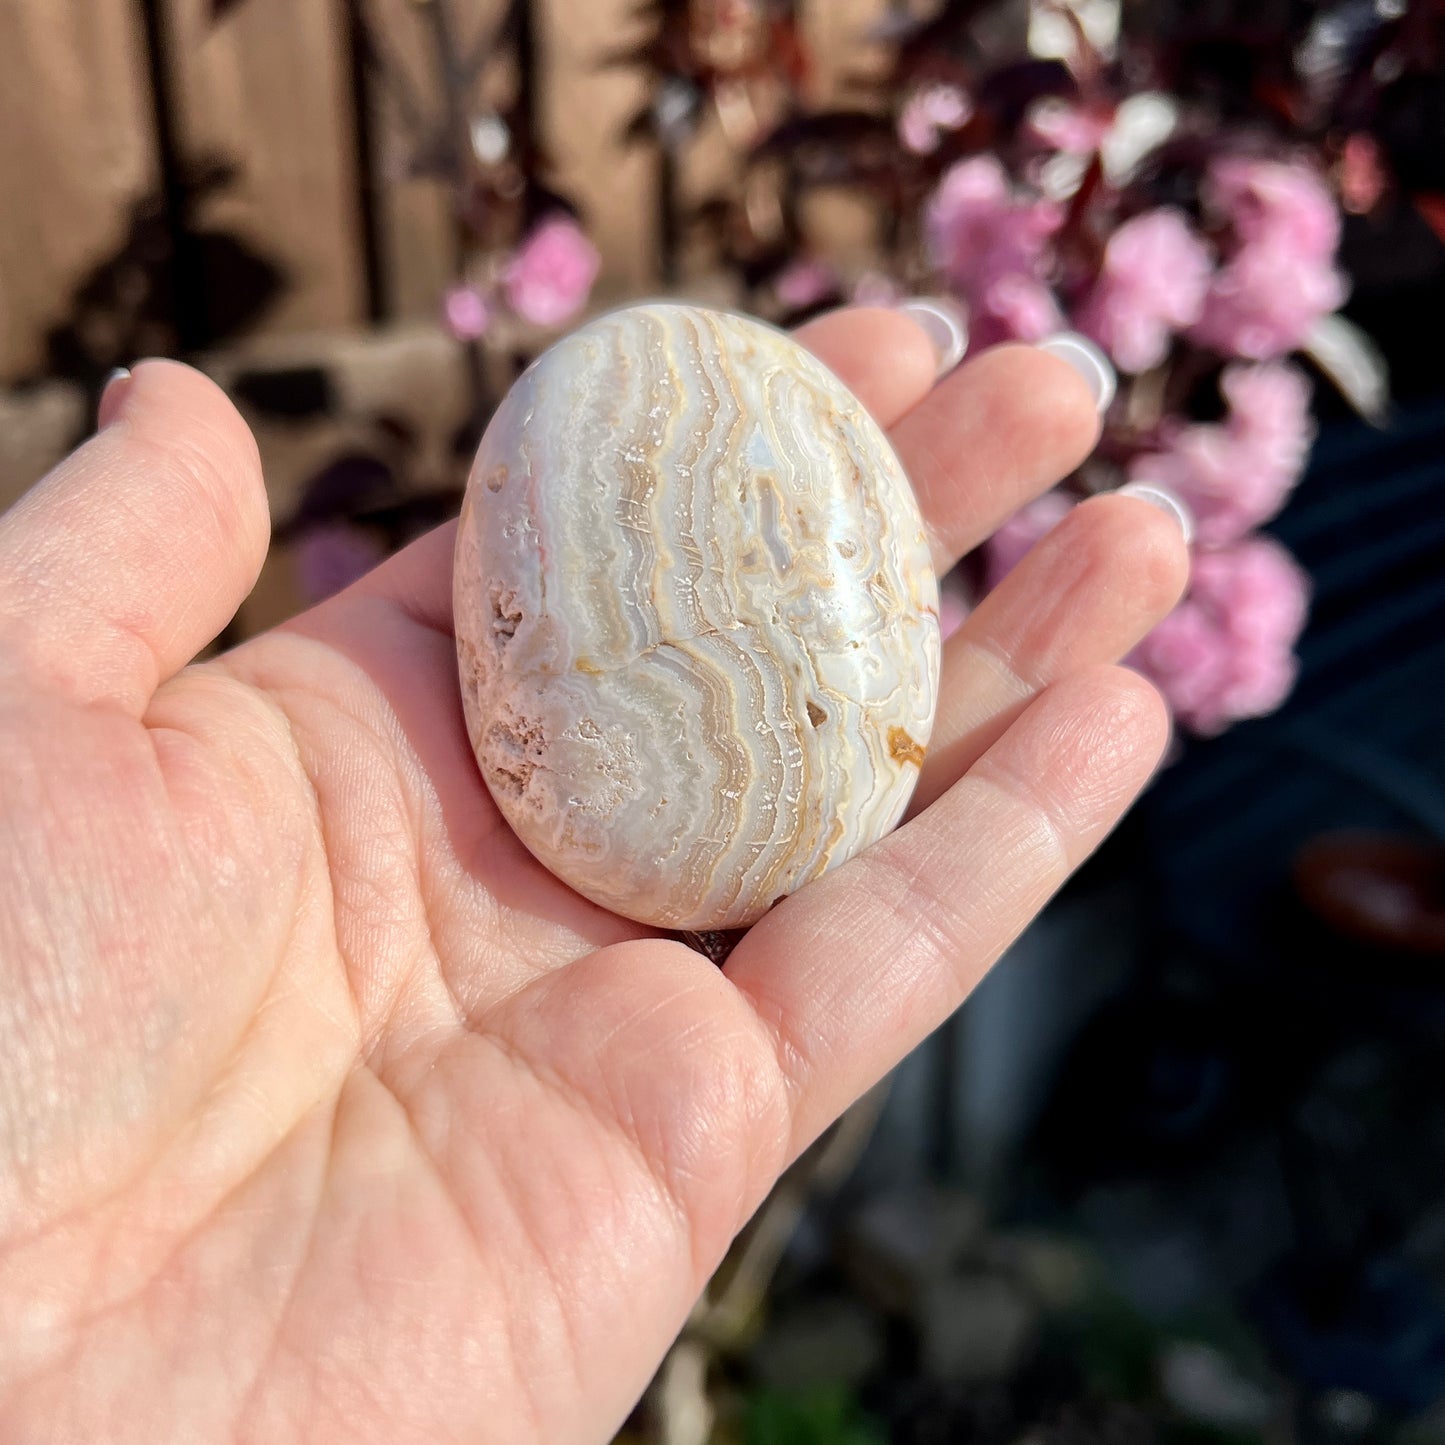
(267, 89)
(414, 212)
(585, 106)
(842, 39)
(76, 151)
(841, 36)
(270, 90)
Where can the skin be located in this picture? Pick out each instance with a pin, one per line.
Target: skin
(325, 1113)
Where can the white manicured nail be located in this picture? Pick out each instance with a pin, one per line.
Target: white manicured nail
(112, 394)
(944, 322)
(1089, 362)
(1166, 501)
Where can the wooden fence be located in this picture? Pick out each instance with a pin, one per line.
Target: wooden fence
(106, 105)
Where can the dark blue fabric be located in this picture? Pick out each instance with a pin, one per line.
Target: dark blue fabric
(1362, 741)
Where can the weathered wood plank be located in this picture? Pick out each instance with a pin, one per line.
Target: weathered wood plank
(842, 37)
(414, 213)
(76, 150)
(584, 107)
(267, 89)
(842, 40)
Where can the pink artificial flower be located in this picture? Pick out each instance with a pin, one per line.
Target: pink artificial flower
(805, 283)
(1239, 473)
(333, 556)
(1269, 416)
(466, 313)
(1185, 656)
(1276, 203)
(1256, 586)
(550, 278)
(1025, 309)
(1226, 652)
(1265, 301)
(928, 113)
(1153, 283)
(992, 244)
(1008, 546)
(1281, 277)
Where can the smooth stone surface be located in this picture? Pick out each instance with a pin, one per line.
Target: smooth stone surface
(696, 618)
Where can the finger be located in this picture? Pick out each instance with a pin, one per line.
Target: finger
(857, 968)
(885, 358)
(136, 551)
(418, 579)
(1086, 594)
(1000, 430)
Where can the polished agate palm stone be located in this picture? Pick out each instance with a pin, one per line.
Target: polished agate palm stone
(696, 618)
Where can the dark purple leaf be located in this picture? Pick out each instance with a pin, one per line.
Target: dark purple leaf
(294, 393)
(953, 34)
(1009, 92)
(349, 486)
(830, 128)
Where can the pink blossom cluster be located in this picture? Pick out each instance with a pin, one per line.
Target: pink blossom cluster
(546, 282)
(1238, 473)
(1279, 275)
(1250, 283)
(467, 315)
(805, 283)
(992, 244)
(1152, 286)
(930, 112)
(551, 276)
(1227, 651)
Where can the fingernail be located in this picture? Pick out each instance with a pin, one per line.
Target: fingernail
(944, 323)
(1166, 501)
(112, 396)
(1089, 362)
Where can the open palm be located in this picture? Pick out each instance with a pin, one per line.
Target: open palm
(325, 1113)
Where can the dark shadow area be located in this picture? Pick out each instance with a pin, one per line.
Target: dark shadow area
(126, 307)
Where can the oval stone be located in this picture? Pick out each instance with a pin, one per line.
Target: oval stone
(696, 618)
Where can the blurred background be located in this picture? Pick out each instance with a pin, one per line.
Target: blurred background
(1177, 1171)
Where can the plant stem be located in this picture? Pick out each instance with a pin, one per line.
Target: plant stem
(455, 84)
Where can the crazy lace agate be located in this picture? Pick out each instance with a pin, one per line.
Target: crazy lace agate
(696, 618)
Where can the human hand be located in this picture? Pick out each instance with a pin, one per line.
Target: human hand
(325, 1112)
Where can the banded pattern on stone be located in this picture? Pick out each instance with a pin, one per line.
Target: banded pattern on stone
(696, 617)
